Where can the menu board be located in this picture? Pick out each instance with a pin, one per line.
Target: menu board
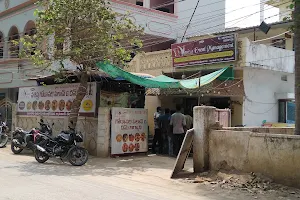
(129, 130)
(55, 100)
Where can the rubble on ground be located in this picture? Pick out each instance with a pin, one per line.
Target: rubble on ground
(251, 182)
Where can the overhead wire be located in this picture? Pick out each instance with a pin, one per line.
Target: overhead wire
(221, 15)
(154, 43)
(240, 19)
(163, 41)
(187, 27)
(270, 38)
(157, 42)
(21, 33)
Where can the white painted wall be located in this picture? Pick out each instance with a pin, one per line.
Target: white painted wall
(12, 76)
(154, 22)
(261, 87)
(12, 3)
(18, 20)
(267, 57)
(209, 17)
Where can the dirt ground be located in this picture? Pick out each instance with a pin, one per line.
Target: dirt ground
(150, 174)
(254, 185)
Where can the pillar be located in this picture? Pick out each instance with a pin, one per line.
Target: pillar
(5, 48)
(103, 133)
(204, 117)
(147, 3)
(13, 116)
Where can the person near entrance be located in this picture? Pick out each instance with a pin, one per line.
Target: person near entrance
(178, 127)
(157, 133)
(166, 133)
(189, 121)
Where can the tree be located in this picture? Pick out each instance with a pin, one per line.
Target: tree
(83, 32)
(297, 63)
(296, 29)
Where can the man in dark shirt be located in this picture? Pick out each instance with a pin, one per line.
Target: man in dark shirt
(157, 134)
(165, 130)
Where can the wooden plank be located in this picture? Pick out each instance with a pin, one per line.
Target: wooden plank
(183, 153)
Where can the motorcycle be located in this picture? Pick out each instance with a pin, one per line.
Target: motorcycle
(63, 146)
(3, 134)
(26, 139)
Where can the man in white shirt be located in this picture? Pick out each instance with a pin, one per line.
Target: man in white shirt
(178, 127)
(189, 121)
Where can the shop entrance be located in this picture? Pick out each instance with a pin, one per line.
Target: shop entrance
(218, 102)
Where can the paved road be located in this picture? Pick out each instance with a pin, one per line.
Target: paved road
(23, 178)
(141, 178)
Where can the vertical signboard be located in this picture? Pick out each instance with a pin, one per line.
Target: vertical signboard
(129, 130)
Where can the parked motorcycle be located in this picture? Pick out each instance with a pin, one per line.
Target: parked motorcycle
(63, 146)
(26, 139)
(3, 134)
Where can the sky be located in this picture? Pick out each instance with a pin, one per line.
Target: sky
(237, 9)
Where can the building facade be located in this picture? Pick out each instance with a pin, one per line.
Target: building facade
(164, 22)
(264, 68)
(285, 10)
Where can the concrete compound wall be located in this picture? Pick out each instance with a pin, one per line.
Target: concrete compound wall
(96, 131)
(274, 155)
(281, 130)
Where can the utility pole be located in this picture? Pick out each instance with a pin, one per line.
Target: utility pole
(199, 100)
(296, 18)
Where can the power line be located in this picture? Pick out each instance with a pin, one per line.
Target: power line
(183, 18)
(150, 36)
(210, 16)
(215, 88)
(155, 43)
(190, 20)
(241, 19)
(150, 44)
(158, 42)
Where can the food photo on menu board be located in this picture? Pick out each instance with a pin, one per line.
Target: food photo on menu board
(54, 100)
(129, 131)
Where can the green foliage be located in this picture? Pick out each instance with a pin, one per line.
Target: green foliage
(83, 31)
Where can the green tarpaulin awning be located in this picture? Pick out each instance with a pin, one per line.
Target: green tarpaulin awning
(161, 81)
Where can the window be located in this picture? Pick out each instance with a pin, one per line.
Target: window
(286, 111)
(290, 114)
(293, 43)
(1, 45)
(163, 5)
(139, 3)
(284, 78)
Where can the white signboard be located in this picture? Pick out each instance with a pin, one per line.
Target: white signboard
(55, 100)
(129, 130)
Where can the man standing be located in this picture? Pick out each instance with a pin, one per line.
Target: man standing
(166, 133)
(178, 126)
(157, 134)
(189, 121)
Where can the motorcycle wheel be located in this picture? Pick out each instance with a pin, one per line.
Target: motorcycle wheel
(3, 140)
(15, 149)
(40, 156)
(78, 156)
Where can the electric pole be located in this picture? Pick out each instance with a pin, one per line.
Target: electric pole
(296, 17)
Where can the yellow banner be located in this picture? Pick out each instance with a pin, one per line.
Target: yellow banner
(204, 56)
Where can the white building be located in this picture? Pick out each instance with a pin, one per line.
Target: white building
(262, 89)
(164, 22)
(266, 66)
